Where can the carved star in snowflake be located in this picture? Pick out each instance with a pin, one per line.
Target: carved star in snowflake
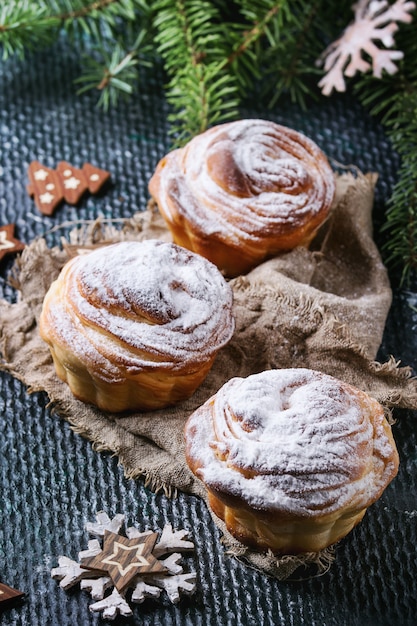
(124, 558)
(122, 563)
(359, 48)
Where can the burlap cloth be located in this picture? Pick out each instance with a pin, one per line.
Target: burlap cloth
(323, 308)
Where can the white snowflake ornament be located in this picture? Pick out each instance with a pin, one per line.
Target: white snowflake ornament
(117, 569)
(375, 22)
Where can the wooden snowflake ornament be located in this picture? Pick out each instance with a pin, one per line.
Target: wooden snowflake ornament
(127, 568)
(51, 187)
(374, 24)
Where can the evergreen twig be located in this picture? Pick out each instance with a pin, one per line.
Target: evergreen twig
(215, 52)
(200, 89)
(23, 25)
(394, 100)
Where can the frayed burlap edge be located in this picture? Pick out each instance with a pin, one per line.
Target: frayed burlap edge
(107, 435)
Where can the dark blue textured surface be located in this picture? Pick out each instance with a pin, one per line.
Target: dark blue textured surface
(52, 481)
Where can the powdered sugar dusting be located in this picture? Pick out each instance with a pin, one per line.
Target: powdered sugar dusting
(293, 440)
(284, 180)
(131, 305)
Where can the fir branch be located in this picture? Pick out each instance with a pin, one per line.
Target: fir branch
(401, 215)
(260, 21)
(294, 71)
(103, 27)
(26, 24)
(112, 67)
(247, 37)
(113, 75)
(401, 222)
(200, 89)
(215, 53)
(279, 42)
(97, 19)
(83, 10)
(393, 99)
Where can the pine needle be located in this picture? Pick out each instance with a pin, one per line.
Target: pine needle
(215, 54)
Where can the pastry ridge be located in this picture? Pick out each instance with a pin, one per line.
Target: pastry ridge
(291, 458)
(243, 191)
(134, 324)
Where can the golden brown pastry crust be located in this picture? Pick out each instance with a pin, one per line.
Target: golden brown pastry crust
(136, 325)
(291, 459)
(244, 191)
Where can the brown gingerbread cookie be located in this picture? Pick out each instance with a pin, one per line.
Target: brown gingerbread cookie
(65, 183)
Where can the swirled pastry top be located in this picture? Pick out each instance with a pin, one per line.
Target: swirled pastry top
(136, 305)
(294, 442)
(245, 180)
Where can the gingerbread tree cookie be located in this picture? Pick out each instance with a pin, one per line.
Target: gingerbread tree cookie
(66, 183)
